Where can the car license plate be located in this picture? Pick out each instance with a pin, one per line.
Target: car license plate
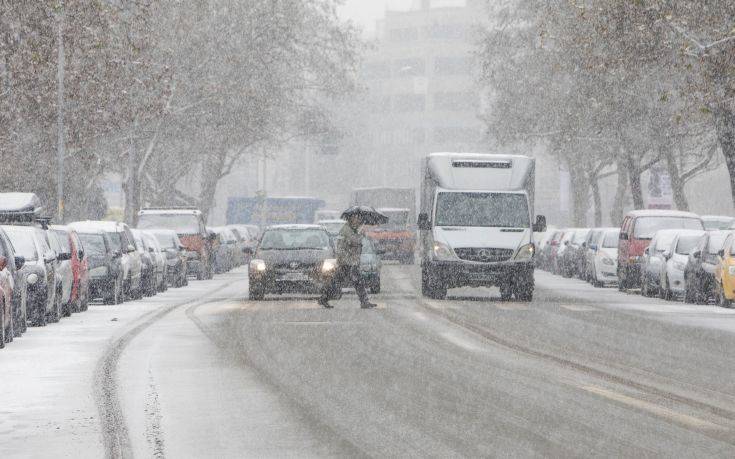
(294, 277)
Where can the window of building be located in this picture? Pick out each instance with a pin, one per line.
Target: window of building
(409, 103)
(403, 34)
(409, 67)
(452, 65)
(455, 101)
(375, 70)
(440, 31)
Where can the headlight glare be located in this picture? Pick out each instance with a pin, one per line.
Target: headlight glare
(329, 265)
(443, 251)
(258, 266)
(525, 252)
(32, 278)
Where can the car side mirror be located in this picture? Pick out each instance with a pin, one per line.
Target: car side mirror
(697, 254)
(19, 261)
(721, 253)
(540, 225)
(3, 263)
(624, 236)
(130, 248)
(247, 250)
(63, 256)
(80, 254)
(593, 247)
(423, 223)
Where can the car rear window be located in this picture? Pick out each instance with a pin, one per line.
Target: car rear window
(23, 243)
(716, 242)
(686, 244)
(646, 227)
(94, 244)
(611, 240)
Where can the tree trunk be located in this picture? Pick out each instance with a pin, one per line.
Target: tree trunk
(580, 196)
(616, 212)
(131, 187)
(595, 185)
(677, 184)
(634, 176)
(725, 126)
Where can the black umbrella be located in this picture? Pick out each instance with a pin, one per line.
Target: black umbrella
(367, 214)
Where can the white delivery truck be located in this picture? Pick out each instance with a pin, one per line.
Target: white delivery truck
(476, 225)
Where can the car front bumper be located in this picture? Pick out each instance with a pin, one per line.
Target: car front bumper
(455, 274)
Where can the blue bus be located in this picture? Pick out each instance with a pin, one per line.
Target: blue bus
(264, 211)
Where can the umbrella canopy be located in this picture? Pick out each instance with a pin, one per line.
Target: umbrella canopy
(367, 214)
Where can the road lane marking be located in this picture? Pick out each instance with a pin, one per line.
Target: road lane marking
(578, 308)
(512, 306)
(652, 408)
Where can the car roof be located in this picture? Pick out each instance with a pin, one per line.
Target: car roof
(170, 211)
(103, 225)
(668, 232)
(661, 213)
(717, 217)
(295, 226)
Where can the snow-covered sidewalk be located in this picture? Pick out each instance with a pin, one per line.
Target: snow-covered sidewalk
(46, 377)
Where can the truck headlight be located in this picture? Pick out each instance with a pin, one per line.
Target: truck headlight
(329, 265)
(32, 278)
(525, 252)
(608, 261)
(442, 251)
(257, 266)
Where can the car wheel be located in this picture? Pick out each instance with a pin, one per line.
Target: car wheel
(256, 294)
(431, 287)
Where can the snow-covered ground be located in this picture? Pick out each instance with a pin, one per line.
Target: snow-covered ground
(46, 377)
(703, 316)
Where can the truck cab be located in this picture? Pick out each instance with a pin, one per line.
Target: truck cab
(476, 223)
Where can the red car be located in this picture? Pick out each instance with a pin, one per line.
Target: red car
(6, 302)
(79, 299)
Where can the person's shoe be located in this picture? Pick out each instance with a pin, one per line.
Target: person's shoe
(324, 303)
(368, 305)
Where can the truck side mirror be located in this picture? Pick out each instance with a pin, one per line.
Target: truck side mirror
(424, 223)
(540, 225)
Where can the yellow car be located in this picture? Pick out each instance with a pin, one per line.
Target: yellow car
(725, 274)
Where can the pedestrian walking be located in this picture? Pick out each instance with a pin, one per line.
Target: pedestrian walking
(349, 249)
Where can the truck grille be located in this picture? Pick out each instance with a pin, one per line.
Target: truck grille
(484, 255)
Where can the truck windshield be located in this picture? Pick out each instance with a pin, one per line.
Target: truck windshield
(502, 210)
(181, 223)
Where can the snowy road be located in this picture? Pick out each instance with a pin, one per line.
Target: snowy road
(202, 372)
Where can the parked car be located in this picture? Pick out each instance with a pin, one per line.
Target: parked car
(43, 302)
(717, 222)
(654, 261)
(73, 270)
(159, 256)
(175, 256)
(226, 251)
(189, 225)
(104, 259)
(699, 275)
(148, 265)
(19, 304)
(549, 250)
(7, 331)
(242, 238)
(725, 273)
(672, 276)
(636, 231)
(573, 251)
(603, 257)
(292, 259)
(370, 265)
(124, 242)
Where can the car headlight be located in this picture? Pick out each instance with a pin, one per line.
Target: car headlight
(634, 259)
(257, 266)
(731, 270)
(32, 278)
(681, 266)
(442, 251)
(608, 261)
(525, 252)
(329, 265)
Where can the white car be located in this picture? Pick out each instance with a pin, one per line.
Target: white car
(603, 251)
(717, 222)
(159, 258)
(677, 255)
(654, 261)
(58, 240)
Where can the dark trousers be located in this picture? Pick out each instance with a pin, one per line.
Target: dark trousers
(343, 273)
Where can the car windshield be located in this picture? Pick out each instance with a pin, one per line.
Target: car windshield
(181, 223)
(663, 241)
(23, 243)
(63, 240)
(686, 244)
(611, 240)
(716, 242)
(717, 224)
(94, 244)
(501, 210)
(646, 227)
(166, 241)
(295, 239)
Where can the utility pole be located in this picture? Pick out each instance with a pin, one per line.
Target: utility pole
(60, 115)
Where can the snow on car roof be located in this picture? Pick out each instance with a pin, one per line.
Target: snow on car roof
(717, 217)
(173, 211)
(322, 222)
(98, 225)
(19, 202)
(295, 226)
(661, 213)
